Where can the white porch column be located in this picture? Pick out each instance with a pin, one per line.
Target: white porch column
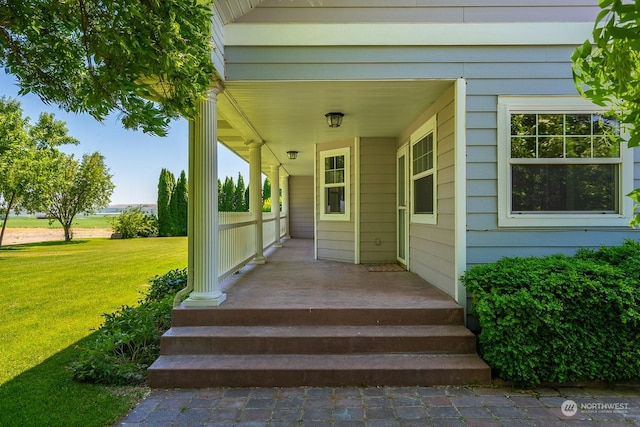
(203, 157)
(255, 196)
(285, 204)
(275, 202)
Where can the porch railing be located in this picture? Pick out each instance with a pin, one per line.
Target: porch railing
(238, 240)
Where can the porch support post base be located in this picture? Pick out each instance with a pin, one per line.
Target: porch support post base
(259, 260)
(205, 299)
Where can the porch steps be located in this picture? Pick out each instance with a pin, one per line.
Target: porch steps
(319, 370)
(287, 347)
(318, 339)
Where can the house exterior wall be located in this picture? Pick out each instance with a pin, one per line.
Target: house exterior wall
(301, 207)
(422, 11)
(378, 200)
(335, 240)
(217, 36)
(432, 247)
(490, 71)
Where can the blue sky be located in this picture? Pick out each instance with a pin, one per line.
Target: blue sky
(134, 159)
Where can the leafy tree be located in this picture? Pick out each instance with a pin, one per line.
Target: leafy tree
(179, 206)
(227, 196)
(239, 196)
(166, 183)
(28, 157)
(148, 61)
(83, 186)
(219, 196)
(607, 69)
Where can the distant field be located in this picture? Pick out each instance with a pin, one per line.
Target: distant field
(97, 221)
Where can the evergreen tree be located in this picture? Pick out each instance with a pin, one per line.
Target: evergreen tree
(228, 190)
(266, 194)
(166, 185)
(239, 196)
(220, 197)
(179, 206)
(247, 200)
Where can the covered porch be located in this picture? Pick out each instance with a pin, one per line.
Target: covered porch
(368, 215)
(298, 321)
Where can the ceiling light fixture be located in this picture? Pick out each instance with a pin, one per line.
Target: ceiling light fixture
(334, 120)
(292, 155)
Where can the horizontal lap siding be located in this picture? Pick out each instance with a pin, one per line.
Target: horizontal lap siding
(301, 207)
(335, 240)
(377, 200)
(432, 247)
(486, 242)
(421, 11)
(217, 36)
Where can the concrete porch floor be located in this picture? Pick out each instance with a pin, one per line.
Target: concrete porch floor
(292, 278)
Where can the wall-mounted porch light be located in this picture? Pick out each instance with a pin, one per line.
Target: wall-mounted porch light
(292, 155)
(334, 120)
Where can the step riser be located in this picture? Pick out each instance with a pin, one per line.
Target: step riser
(277, 378)
(310, 317)
(310, 345)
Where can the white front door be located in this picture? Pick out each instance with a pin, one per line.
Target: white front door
(402, 197)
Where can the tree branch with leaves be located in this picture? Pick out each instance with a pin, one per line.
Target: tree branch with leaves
(607, 70)
(149, 60)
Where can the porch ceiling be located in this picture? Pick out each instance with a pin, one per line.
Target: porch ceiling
(289, 115)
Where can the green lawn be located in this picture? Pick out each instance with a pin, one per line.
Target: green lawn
(53, 295)
(80, 221)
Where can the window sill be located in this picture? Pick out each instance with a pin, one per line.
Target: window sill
(560, 220)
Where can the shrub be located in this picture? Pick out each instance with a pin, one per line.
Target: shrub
(128, 341)
(167, 284)
(126, 345)
(559, 318)
(135, 223)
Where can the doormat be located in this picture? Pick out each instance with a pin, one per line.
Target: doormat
(382, 268)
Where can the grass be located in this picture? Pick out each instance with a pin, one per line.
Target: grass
(54, 294)
(80, 221)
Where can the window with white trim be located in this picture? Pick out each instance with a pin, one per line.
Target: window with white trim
(424, 174)
(558, 164)
(335, 184)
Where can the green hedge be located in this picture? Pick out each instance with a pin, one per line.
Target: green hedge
(129, 340)
(558, 318)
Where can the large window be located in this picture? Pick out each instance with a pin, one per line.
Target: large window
(558, 164)
(334, 181)
(424, 173)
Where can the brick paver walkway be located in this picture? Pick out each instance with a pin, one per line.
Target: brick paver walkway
(388, 407)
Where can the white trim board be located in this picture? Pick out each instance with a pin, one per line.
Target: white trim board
(407, 34)
(460, 166)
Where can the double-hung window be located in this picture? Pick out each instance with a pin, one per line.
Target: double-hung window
(424, 174)
(560, 163)
(335, 184)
